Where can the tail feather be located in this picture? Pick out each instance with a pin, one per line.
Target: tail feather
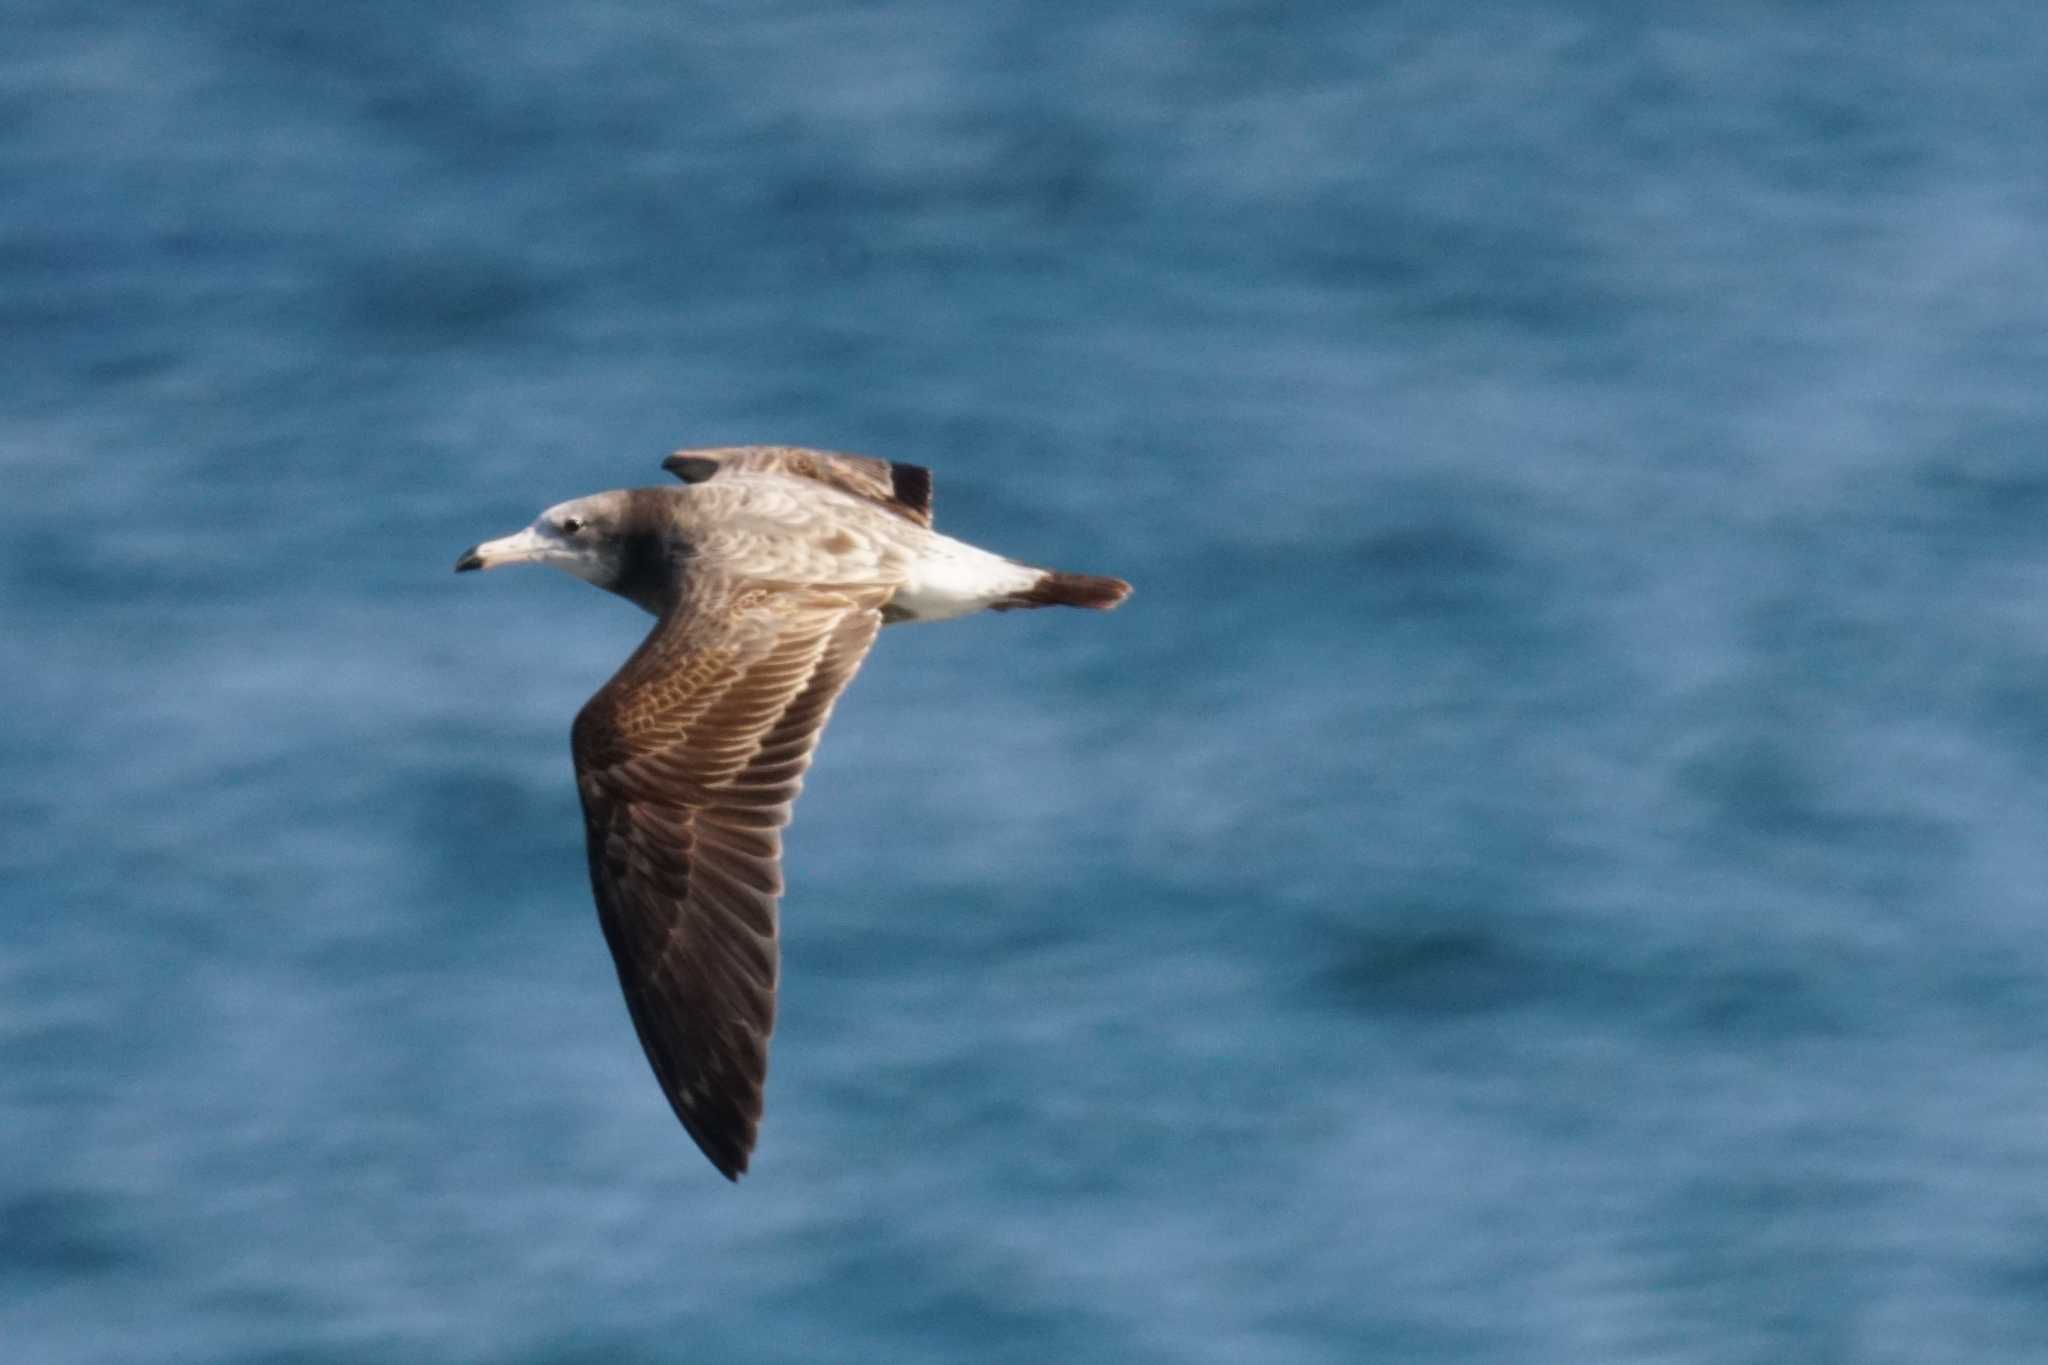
(1059, 589)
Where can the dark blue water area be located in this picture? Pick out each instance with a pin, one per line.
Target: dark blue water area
(1548, 866)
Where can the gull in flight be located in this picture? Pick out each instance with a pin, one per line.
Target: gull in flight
(768, 571)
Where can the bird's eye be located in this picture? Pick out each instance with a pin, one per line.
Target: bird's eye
(571, 525)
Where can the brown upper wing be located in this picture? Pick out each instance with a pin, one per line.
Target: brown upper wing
(905, 489)
(688, 762)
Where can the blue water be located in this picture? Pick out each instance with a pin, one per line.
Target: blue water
(1549, 867)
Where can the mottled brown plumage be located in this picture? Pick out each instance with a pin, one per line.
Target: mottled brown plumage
(769, 574)
(689, 762)
(905, 489)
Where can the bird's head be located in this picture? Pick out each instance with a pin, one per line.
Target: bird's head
(613, 540)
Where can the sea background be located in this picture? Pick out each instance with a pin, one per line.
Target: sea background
(1549, 866)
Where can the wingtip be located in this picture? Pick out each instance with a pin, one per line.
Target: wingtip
(690, 467)
(729, 1149)
(911, 486)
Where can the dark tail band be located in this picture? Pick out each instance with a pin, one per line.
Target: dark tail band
(1059, 589)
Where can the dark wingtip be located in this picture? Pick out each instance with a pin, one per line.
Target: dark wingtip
(725, 1139)
(728, 1160)
(911, 485)
(690, 468)
(470, 560)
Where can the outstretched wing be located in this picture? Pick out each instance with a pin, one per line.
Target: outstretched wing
(905, 489)
(689, 761)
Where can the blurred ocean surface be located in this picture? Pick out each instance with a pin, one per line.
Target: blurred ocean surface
(1549, 867)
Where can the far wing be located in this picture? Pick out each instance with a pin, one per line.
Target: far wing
(905, 489)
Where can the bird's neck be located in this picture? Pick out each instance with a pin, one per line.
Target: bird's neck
(649, 572)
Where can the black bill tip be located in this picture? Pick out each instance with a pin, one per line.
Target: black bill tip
(470, 560)
(691, 468)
